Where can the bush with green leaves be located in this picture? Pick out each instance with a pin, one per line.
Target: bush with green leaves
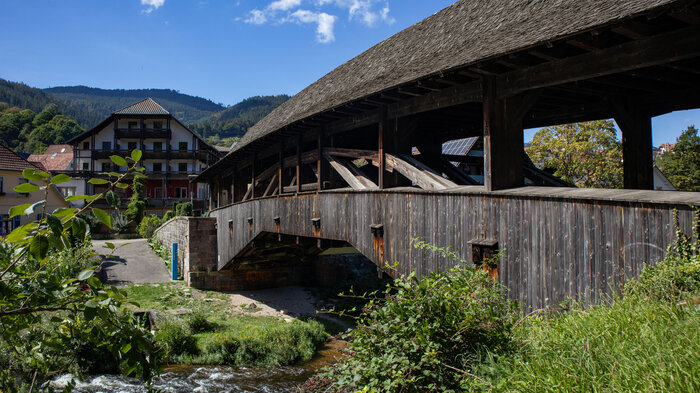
(40, 292)
(184, 209)
(177, 337)
(148, 225)
(138, 202)
(427, 334)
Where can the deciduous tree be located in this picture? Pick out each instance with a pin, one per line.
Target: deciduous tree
(587, 154)
(682, 164)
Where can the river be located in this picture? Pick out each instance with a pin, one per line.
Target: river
(212, 379)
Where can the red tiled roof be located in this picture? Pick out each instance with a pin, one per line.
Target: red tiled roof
(145, 107)
(56, 158)
(10, 161)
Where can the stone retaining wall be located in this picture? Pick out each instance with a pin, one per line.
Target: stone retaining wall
(197, 248)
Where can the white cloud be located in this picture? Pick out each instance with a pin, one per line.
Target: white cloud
(367, 12)
(324, 22)
(256, 17)
(152, 5)
(283, 5)
(362, 10)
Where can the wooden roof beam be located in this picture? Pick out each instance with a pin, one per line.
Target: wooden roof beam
(665, 48)
(686, 15)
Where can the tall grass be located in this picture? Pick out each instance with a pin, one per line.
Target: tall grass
(632, 345)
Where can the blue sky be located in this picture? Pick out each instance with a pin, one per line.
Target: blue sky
(223, 50)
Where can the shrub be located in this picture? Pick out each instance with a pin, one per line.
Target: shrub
(197, 322)
(427, 333)
(92, 221)
(120, 223)
(177, 338)
(148, 225)
(168, 215)
(184, 209)
(137, 203)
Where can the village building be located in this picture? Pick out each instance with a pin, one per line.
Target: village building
(172, 154)
(59, 159)
(11, 167)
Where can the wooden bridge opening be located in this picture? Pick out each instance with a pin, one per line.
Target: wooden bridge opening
(341, 151)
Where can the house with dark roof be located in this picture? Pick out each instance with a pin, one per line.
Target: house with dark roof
(11, 167)
(172, 154)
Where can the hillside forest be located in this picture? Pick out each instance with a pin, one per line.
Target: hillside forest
(31, 118)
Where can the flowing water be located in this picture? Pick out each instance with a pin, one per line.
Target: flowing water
(211, 379)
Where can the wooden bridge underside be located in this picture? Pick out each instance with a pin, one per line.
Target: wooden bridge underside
(558, 242)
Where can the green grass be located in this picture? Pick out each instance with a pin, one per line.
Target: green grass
(632, 345)
(215, 332)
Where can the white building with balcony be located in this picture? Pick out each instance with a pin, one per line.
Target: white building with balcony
(172, 154)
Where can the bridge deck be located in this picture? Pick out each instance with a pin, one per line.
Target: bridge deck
(558, 242)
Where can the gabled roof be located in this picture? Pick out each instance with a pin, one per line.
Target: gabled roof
(465, 33)
(56, 158)
(144, 107)
(11, 161)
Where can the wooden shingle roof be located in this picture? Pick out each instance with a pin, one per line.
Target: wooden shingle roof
(465, 33)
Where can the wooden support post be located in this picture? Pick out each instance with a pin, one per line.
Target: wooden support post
(319, 161)
(380, 146)
(298, 172)
(252, 184)
(503, 136)
(280, 169)
(635, 124)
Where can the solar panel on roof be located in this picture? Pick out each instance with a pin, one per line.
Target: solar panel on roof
(459, 147)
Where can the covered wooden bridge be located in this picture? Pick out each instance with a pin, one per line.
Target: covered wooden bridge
(358, 155)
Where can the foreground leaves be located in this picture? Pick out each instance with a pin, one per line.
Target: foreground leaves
(52, 306)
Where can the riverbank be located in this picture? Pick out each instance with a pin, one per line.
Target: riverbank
(211, 379)
(275, 327)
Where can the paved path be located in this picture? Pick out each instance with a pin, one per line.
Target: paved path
(136, 262)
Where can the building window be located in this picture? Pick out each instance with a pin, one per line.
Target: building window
(182, 146)
(106, 167)
(157, 167)
(182, 167)
(2, 184)
(132, 124)
(158, 192)
(5, 224)
(157, 125)
(86, 166)
(16, 222)
(157, 146)
(106, 146)
(67, 191)
(86, 145)
(131, 146)
(180, 192)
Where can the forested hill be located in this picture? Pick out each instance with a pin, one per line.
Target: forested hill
(186, 108)
(88, 106)
(234, 121)
(25, 97)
